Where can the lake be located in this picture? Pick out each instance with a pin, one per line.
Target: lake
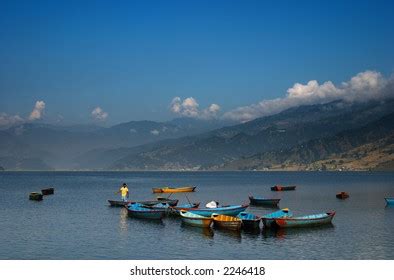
(77, 223)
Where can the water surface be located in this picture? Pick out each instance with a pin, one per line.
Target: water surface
(76, 222)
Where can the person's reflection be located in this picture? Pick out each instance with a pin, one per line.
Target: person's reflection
(123, 220)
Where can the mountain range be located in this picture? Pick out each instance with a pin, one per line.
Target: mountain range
(334, 136)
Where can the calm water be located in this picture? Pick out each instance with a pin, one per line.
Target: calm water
(76, 222)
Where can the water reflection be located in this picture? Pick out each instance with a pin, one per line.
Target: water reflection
(204, 232)
(282, 233)
(123, 225)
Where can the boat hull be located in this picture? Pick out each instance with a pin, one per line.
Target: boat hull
(118, 203)
(249, 220)
(281, 188)
(229, 211)
(306, 221)
(35, 196)
(227, 222)
(48, 191)
(269, 219)
(154, 214)
(195, 220)
(264, 201)
(342, 195)
(389, 200)
(173, 190)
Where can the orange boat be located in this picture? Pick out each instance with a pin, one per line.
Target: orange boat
(226, 222)
(342, 195)
(174, 190)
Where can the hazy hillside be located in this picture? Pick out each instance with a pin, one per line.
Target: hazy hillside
(278, 132)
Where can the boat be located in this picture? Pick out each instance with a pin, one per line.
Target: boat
(249, 220)
(305, 221)
(264, 201)
(342, 195)
(226, 222)
(269, 219)
(35, 196)
(174, 190)
(389, 200)
(48, 191)
(186, 207)
(278, 188)
(137, 210)
(118, 203)
(195, 220)
(171, 202)
(230, 210)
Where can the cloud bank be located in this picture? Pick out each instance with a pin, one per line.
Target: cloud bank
(189, 107)
(365, 86)
(38, 111)
(99, 114)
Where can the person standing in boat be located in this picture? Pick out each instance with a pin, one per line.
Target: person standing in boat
(124, 191)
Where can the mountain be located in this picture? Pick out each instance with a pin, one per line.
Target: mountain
(364, 148)
(213, 150)
(45, 146)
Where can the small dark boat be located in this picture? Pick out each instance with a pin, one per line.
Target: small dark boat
(342, 195)
(35, 196)
(264, 201)
(278, 188)
(118, 203)
(171, 202)
(137, 210)
(249, 220)
(48, 191)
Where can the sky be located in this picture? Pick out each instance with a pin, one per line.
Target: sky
(108, 62)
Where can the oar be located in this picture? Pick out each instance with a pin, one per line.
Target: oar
(188, 200)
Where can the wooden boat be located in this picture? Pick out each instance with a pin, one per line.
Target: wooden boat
(195, 220)
(264, 201)
(226, 222)
(389, 200)
(137, 210)
(186, 207)
(278, 188)
(269, 219)
(249, 220)
(229, 210)
(118, 203)
(48, 191)
(173, 190)
(35, 196)
(342, 195)
(171, 202)
(305, 221)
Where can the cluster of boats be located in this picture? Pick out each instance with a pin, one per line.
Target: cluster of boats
(40, 196)
(232, 217)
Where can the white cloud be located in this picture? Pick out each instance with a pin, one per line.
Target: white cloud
(38, 111)
(99, 115)
(155, 132)
(362, 87)
(189, 107)
(7, 121)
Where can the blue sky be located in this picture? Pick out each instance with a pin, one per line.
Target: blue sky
(131, 58)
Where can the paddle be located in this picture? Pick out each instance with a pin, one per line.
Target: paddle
(188, 200)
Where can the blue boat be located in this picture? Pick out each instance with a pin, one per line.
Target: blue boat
(195, 220)
(249, 220)
(269, 219)
(306, 221)
(389, 200)
(230, 210)
(264, 201)
(137, 210)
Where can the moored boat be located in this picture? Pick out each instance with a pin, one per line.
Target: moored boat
(118, 203)
(269, 219)
(194, 219)
(226, 222)
(249, 220)
(264, 201)
(306, 221)
(186, 207)
(171, 202)
(35, 196)
(279, 188)
(342, 195)
(230, 210)
(48, 191)
(389, 200)
(137, 210)
(174, 190)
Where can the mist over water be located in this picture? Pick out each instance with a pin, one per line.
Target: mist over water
(77, 223)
